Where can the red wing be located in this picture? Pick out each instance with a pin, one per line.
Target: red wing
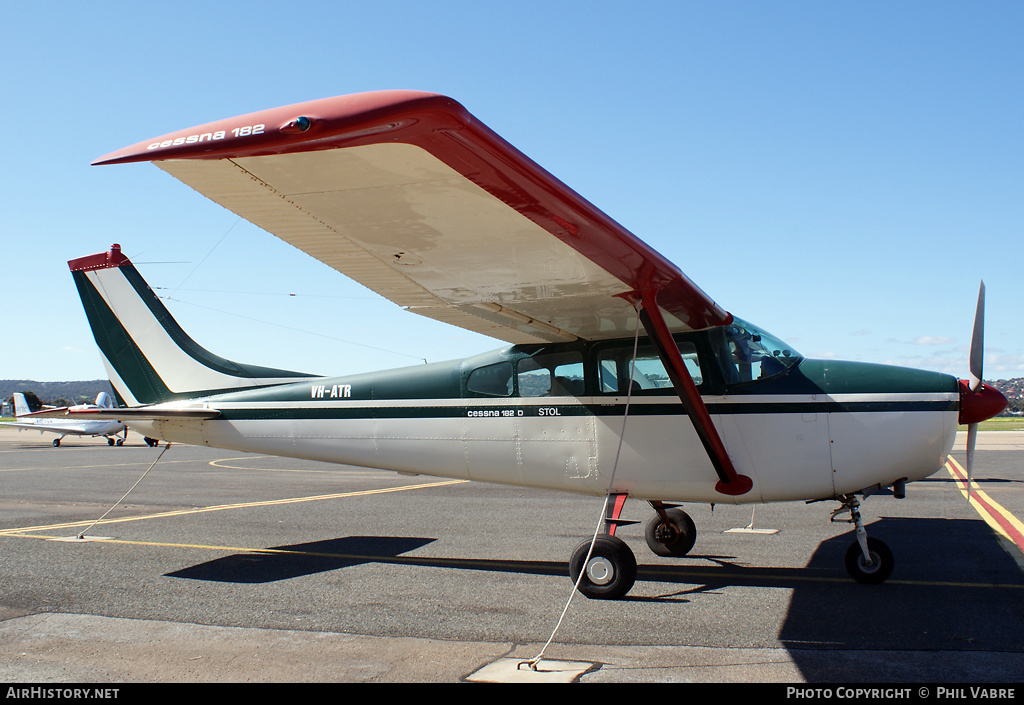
(412, 196)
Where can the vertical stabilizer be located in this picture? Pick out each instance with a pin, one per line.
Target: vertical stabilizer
(20, 405)
(148, 357)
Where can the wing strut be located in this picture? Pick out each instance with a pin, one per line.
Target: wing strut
(730, 482)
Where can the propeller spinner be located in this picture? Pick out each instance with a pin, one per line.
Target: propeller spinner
(978, 401)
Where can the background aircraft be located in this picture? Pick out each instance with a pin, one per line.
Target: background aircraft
(71, 426)
(623, 379)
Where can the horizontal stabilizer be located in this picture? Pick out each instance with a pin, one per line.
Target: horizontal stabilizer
(139, 413)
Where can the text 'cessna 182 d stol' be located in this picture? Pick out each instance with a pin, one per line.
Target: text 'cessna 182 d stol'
(623, 379)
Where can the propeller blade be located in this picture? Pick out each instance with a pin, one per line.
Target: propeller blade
(978, 340)
(972, 439)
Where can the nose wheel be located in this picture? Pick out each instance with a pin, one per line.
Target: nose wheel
(868, 560)
(873, 568)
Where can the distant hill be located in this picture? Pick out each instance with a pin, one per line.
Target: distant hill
(1013, 390)
(57, 393)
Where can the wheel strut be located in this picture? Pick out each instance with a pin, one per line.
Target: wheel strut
(605, 567)
(868, 560)
(853, 504)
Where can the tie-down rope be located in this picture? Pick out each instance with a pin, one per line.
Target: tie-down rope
(82, 535)
(535, 661)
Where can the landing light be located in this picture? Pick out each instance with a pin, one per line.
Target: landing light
(296, 126)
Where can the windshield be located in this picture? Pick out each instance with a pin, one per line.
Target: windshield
(746, 353)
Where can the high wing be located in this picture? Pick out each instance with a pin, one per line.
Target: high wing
(410, 195)
(18, 424)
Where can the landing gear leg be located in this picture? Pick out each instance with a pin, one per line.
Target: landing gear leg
(608, 570)
(868, 560)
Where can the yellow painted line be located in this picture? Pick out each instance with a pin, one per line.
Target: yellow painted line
(994, 514)
(473, 563)
(221, 507)
(651, 573)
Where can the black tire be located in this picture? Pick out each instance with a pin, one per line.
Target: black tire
(110, 441)
(674, 538)
(612, 568)
(56, 443)
(878, 571)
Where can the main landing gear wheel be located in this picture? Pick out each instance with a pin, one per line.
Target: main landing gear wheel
(56, 443)
(874, 572)
(610, 572)
(151, 442)
(110, 441)
(673, 538)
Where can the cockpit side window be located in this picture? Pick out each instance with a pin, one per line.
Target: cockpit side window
(617, 372)
(555, 375)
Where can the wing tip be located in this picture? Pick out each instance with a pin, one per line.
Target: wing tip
(290, 127)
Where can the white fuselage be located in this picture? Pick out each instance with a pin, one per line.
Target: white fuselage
(573, 444)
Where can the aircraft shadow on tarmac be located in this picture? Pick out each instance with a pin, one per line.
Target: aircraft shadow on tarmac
(953, 589)
(943, 555)
(285, 562)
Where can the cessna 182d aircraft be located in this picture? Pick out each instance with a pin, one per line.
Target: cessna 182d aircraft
(68, 427)
(623, 378)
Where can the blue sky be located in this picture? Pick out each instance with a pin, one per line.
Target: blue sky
(842, 174)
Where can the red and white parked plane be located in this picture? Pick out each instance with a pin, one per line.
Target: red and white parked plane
(623, 378)
(25, 419)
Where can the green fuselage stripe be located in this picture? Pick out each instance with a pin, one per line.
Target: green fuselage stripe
(564, 410)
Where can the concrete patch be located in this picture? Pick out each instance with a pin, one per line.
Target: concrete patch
(513, 670)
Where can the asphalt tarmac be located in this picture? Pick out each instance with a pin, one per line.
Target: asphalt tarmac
(226, 567)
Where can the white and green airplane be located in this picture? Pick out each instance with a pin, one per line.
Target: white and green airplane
(622, 378)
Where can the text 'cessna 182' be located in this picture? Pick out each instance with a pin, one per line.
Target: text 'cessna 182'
(410, 195)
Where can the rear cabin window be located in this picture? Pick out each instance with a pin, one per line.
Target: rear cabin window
(494, 380)
(553, 375)
(617, 372)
